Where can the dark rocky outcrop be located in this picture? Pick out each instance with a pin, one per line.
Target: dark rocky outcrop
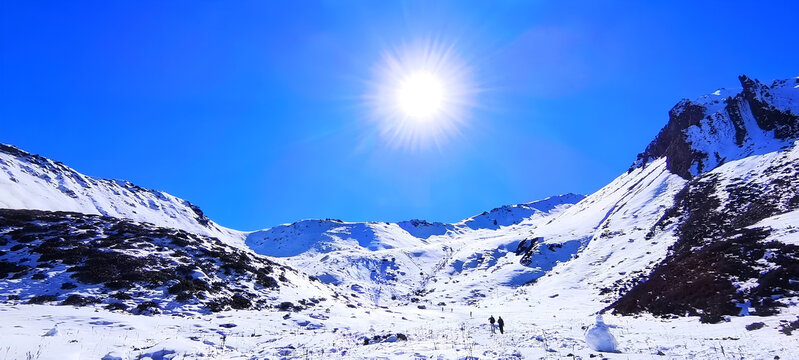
(90, 259)
(384, 338)
(785, 125)
(671, 141)
(527, 249)
(733, 108)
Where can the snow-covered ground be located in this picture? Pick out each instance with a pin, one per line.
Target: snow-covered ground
(534, 330)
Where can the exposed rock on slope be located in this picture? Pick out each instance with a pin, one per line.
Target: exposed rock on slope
(79, 259)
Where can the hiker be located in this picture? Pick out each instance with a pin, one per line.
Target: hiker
(501, 324)
(491, 321)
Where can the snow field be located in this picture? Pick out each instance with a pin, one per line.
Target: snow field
(531, 333)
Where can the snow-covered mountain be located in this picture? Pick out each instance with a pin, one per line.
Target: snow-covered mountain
(736, 248)
(394, 261)
(328, 235)
(600, 248)
(375, 260)
(727, 125)
(29, 181)
(703, 225)
(601, 245)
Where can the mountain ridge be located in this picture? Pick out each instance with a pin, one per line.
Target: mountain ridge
(606, 251)
(31, 181)
(61, 188)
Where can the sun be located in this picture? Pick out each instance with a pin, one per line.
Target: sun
(420, 95)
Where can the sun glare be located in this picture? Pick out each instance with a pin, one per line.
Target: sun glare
(420, 95)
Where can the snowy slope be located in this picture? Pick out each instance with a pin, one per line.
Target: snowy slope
(381, 262)
(736, 250)
(30, 181)
(335, 235)
(533, 331)
(585, 247)
(513, 214)
(324, 236)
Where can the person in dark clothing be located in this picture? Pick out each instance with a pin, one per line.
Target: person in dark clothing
(491, 321)
(501, 324)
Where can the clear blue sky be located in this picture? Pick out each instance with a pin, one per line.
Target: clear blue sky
(254, 111)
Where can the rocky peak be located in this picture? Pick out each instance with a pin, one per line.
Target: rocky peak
(704, 133)
(759, 97)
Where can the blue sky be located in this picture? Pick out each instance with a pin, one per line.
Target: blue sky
(255, 111)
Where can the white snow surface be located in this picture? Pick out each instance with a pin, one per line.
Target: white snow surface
(33, 182)
(532, 331)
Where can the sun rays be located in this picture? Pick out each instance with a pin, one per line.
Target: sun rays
(420, 95)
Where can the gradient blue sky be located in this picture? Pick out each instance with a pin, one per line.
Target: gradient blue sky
(254, 111)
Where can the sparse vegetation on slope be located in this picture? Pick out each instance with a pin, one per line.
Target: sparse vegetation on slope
(79, 259)
(721, 265)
